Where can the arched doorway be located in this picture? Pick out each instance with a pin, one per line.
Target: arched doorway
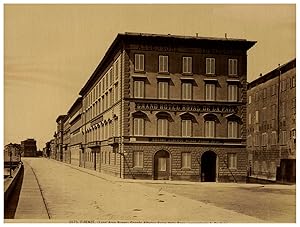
(161, 165)
(208, 166)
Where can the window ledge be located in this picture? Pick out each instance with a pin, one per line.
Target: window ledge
(138, 71)
(139, 76)
(163, 77)
(186, 168)
(187, 74)
(164, 73)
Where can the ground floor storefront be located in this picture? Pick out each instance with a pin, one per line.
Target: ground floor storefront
(188, 162)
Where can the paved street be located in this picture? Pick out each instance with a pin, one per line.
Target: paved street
(76, 194)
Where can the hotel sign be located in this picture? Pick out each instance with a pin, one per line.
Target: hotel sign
(186, 107)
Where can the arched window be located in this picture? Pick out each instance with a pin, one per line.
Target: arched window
(233, 122)
(187, 120)
(210, 125)
(139, 123)
(163, 119)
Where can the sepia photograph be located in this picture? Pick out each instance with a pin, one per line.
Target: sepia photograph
(149, 113)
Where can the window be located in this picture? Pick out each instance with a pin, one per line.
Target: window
(162, 164)
(116, 92)
(249, 99)
(283, 138)
(232, 92)
(283, 107)
(187, 91)
(249, 119)
(186, 128)
(273, 108)
(163, 63)
(209, 128)
(186, 161)
(138, 127)
(116, 69)
(265, 93)
(232, 67)
(249, 141)
(210, 66)
(283, 85)
(210, 92)
(232, 161)
(139, 89)
(293, 82)
(256, 97)
(111, 76)
(116, 127)
(273, 138)
(162, 127)
(273, 89)
(138, 159)
(264, 114)
(256, 116)
(110, 102)
(187, 64)
(106, 100)
(139, 62)
(232, 129)
(163, 90)
(256, 140)
(264, 139)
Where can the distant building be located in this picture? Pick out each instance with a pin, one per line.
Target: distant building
(14, 150)
(29, 148)
(66, 140)
(59, 137)
(76, 135)
(271, 124)
(53, 147)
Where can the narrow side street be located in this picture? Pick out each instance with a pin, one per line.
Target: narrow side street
(72, 195)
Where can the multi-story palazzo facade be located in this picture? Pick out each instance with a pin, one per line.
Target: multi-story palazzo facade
(271, 124)
(168, 107)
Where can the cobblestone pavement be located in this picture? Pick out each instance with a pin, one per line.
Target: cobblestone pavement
(78, 195)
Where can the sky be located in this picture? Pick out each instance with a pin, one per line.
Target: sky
(50, 51)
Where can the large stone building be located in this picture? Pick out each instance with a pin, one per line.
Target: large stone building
(271, 124)
(29, 148)
(167, 107)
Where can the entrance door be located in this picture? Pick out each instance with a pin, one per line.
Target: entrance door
(208, 166)
(162, 165)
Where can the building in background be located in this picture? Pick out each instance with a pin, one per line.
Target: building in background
(168, 107)
(59, 137)
(12, 152)
(271, 124)
(66, 140)
(76, 135)
(29, 148)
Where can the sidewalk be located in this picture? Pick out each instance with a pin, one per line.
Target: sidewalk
(31, 204)
(111, 178)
